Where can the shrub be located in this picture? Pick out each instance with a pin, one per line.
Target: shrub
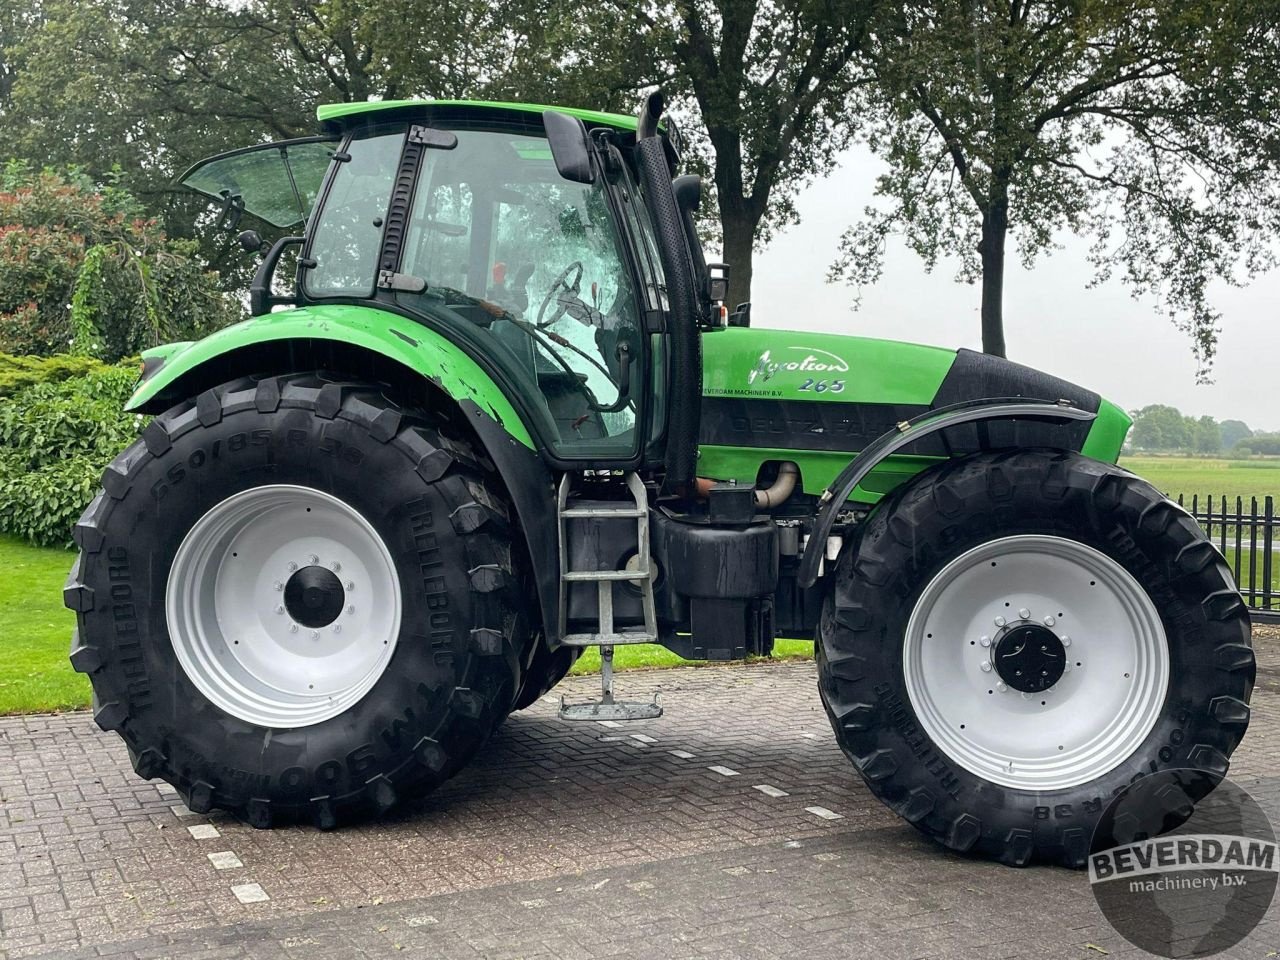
(17, 372)
(82, 270)
(56, 438)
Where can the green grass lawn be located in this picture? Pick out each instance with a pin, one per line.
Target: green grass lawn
(1191, 475)
(35, 631)
(643, 655)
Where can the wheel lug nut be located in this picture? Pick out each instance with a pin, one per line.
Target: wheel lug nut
(292, 566)
(280, 608)
(337, 628)
(293, 628)
(315, 634)
(1024, 613)
(985, 666)
(351, 585)
(1001, 686)
(336, 567)
(985, 641)
(1049, 621)
(999, 621)
(1026, 696)
(1066, 641)
(313, 559)
(279, 586)
(351, 609)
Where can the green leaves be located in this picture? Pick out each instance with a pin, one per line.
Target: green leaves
(56, 438)
(1148, 127)
(80, 273)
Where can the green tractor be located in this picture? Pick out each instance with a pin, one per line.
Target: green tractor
(501, 414)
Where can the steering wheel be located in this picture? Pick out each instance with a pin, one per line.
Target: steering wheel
(561, 281)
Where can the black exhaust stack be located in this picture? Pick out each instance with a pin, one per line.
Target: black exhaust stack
(684, 404)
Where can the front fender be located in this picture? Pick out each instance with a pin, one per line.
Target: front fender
(418, 348)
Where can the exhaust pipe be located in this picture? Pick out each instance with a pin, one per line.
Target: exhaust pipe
(649, 115)
(777, 493)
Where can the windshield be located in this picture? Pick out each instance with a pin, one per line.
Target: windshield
(527, 262)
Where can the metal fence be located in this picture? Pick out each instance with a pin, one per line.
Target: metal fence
(1248, 534)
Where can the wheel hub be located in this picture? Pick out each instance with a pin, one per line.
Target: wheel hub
(1030, 657)
(314, 597)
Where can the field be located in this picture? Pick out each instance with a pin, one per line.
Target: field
(1191, 476)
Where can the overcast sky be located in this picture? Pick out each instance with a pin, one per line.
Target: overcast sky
(1100, 338)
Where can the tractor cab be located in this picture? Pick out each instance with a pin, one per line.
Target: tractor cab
(520, 233)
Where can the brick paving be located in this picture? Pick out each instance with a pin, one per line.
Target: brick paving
(732, 827)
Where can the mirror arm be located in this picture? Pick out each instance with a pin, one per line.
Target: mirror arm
(261, 299)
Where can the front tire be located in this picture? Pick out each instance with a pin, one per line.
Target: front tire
(1014, 637)
(298, 599)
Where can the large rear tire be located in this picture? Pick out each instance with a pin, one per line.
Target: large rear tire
(1013, 638)
(296, 598)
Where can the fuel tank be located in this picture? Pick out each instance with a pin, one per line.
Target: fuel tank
(818, 399)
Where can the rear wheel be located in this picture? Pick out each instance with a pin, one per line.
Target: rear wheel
(297, 598)
(1013, 638)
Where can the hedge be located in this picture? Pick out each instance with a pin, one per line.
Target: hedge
(57, 435)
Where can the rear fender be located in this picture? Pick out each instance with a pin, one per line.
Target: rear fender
(379, 346)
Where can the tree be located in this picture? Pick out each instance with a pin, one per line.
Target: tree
(1159, 427)
(1233, 431)
(82, 271)
(767, 86)
(1146, 125)
(140, 89)
(1206, 435)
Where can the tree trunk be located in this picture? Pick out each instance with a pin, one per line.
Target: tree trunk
(739, 229)
(995, 226)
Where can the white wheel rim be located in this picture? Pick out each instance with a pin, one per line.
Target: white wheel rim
(253, 655)
(1092, 719)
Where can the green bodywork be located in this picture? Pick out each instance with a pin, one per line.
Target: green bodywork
(737, 363)
(417, 347)
(335, 113)
(795, 366)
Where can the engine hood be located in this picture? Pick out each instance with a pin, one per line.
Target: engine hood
(819, 398)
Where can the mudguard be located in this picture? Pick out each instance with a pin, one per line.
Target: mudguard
(419, 348)
(911, 431)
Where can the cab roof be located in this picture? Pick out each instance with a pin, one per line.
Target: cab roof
(338, 115)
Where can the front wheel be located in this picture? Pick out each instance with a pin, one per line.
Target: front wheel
(1015, 637)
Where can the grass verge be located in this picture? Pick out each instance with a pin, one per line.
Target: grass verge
(35, 632)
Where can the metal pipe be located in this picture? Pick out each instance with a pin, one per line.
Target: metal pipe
(781, 488)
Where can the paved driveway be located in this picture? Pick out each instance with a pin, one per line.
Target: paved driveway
(732, 827)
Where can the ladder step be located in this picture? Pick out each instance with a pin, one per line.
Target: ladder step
(628, 511)
(609, 639)
(601, 576)
(618, 710)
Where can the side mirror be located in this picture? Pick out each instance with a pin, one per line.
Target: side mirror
(570, 146)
